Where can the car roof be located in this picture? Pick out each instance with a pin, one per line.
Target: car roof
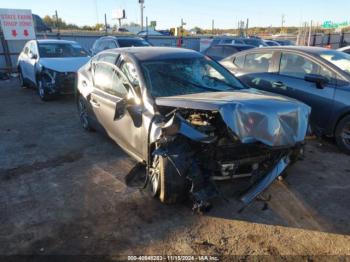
(235, 45)
(156, 53)
(55, 41)
(305, 49)
(120, 37)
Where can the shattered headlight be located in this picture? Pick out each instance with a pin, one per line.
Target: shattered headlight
(48, 77)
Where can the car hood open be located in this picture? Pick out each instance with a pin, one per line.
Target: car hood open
(252, 115)
(66, 64)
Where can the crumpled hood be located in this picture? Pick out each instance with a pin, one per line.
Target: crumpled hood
(66, 64)
(252, 115)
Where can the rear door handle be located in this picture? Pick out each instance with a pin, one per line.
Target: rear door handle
(278, 83)
(94, 103)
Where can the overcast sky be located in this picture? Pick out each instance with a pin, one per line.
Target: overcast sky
(168, 13)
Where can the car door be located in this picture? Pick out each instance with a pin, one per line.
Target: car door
(290, 81)
(33, 57)
(110, 104)
(24, 61)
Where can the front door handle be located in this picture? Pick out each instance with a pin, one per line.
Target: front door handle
(278, 83)
(94, 103)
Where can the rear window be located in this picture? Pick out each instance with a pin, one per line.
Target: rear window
(132, 42)
(259, 62)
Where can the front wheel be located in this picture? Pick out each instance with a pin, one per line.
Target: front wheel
(168, 174)
(342, 135)
(20, 78)
(84, 114)
(43, 94)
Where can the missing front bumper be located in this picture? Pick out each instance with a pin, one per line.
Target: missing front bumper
(266, 181)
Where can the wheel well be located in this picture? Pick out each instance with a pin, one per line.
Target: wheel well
(338, 121)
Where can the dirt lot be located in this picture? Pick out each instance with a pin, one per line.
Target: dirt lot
(64, 191)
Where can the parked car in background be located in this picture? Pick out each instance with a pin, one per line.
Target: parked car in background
(254, 41)
(219, 52)
(285, 42)
(149, 32)
(51, 66)
(272, 43)
(189, 121)
(40, 26)
(345, 49)
(110, 42)
(318, 77)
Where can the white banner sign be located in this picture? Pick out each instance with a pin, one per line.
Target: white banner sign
(17, 24)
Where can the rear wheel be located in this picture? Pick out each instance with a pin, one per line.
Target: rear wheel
(342, 135)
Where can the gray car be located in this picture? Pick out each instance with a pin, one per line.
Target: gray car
(189, 121)
(318, 77)
(110, 42)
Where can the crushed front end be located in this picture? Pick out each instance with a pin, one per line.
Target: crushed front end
(55, 82)
(232, 140)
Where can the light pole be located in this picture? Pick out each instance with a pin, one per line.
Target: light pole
(141, 2)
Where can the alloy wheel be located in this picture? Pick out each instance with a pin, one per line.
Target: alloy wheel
(83, 114)
(345, 135)
(155, 176)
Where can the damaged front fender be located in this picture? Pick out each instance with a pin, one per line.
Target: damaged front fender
(178, 125)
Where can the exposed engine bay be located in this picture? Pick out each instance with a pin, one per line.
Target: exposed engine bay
(218, 154)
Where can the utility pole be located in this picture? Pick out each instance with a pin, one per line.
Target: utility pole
(147, 25)
(57, 25)
(212, 26)
(106, 31)
(310, 32)
(141, 2)
(246, 28)
(282, 24)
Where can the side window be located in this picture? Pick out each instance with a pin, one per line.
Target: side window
(297, 66)
(258, 62)
(239, 61)
(26, 50)
(130, 72)
(108, 58)
(32, 48)
(109, 80)
(110, 44)
(103, 77)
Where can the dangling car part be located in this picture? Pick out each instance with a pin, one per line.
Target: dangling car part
(190, 121)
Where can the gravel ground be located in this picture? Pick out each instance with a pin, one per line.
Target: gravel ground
(64, 191)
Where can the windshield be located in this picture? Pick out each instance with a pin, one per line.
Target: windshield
(187, 76)
(132, 42)
(48, 50)
(339, 59)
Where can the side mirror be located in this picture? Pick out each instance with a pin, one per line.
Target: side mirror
(319, 80)
(120, 108)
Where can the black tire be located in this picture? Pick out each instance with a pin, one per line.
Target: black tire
(173, 184)
(84, 113)
(44, 96)
(342, 135)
